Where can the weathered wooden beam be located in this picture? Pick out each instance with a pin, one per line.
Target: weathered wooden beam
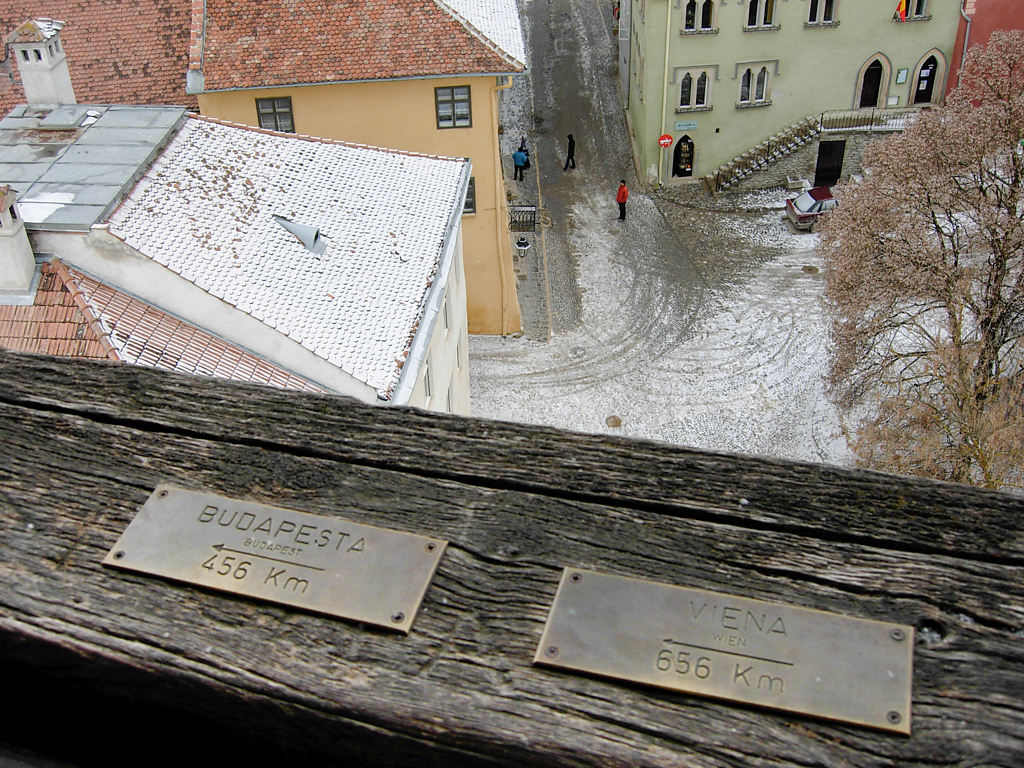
(84, 444)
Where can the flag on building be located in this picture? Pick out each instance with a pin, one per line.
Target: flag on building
(901, 10)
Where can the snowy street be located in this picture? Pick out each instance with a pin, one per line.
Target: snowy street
(684, 325)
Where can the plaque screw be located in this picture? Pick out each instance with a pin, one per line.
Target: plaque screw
(575, 578)
(430, 547)
(119, 554)
(398, 618)
(551, 652)
(162, 494)
(897, 635)
(893, 717)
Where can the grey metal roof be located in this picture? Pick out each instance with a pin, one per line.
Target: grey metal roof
(71, 165)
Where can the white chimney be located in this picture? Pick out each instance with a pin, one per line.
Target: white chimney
(41, 62)
(17, 264)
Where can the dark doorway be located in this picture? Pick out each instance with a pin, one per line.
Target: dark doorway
(926, 81)
(830, 163)
(682, 158)
(871, 84)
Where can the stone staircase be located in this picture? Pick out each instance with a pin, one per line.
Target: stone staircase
(769, 151)
(798, 135)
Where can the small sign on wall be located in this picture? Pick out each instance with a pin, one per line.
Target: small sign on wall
(686, 125)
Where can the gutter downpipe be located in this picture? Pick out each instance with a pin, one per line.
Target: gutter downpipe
(664, 85)
(967, 35)
(499, 195)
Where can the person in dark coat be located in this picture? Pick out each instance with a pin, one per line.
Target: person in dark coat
(621, 197)
(570, 157)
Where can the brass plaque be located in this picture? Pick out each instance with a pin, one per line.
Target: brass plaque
(713, 644)
(322, 564)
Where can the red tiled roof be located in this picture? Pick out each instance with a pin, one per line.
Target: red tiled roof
(118, 53)
(249, 43)
(144, 335)
(58, 323)
(77, 316)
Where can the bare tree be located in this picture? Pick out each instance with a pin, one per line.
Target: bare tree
(925, 287)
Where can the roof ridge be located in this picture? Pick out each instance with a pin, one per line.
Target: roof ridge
(93, 321)
(322, 140)
(479, 34)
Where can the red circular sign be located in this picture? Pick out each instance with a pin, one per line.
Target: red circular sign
(665, 141)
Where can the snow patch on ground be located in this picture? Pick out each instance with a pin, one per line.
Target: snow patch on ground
(747, 379)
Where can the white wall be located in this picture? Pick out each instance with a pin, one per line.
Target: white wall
(109, 259)
(447, 358)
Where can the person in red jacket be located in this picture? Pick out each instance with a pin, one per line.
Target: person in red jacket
(621, 198)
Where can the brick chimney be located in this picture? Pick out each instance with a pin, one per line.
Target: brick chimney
(43, 67)
(17, 263)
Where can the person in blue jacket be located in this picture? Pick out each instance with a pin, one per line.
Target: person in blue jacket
(519, 160)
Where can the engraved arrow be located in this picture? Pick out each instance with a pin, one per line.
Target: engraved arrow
(247, 553)
(670, 641)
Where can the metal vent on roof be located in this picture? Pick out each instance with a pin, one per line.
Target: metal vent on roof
(309, 236)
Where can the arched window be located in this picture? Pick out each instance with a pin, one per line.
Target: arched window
(762, 83)
(690, 16)
(754, 86)
(769, 13)
(752, 13)
(707, 14)
(684, 90)
(702, 90)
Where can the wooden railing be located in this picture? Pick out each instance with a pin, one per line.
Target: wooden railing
(96, 659)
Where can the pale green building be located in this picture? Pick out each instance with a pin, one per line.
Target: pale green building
(720, 76)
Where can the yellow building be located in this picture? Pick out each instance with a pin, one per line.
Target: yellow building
(416, 75)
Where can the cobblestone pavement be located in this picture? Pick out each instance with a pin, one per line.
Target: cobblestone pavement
(695, 321)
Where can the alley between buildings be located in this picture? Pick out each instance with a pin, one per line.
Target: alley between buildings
(682, 324)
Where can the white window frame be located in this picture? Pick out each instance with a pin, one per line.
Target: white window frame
(428, 384)
(447, 102)
(822, 13)
(761, 9)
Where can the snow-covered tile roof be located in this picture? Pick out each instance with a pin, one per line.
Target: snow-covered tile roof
(206, 210)
(497, 20)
